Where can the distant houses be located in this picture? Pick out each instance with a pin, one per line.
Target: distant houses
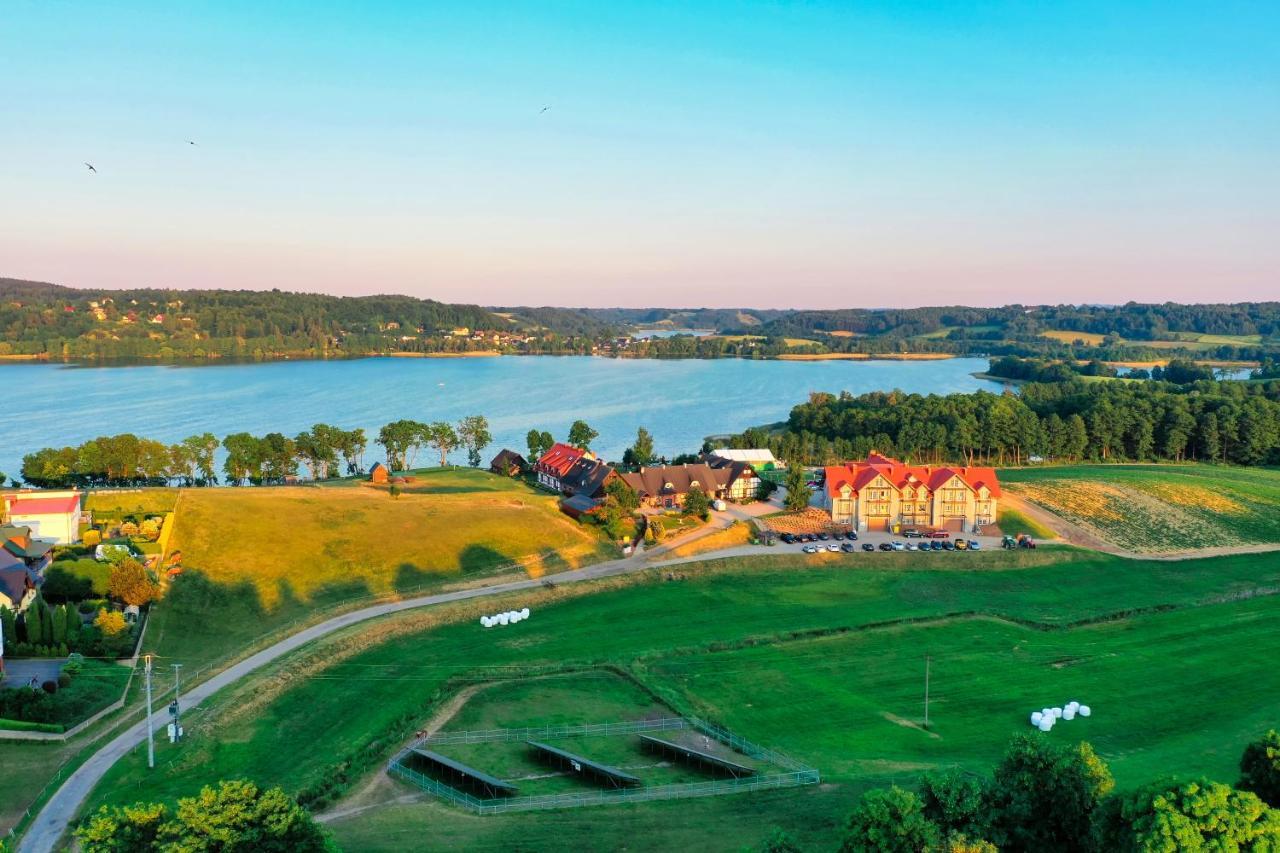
(880, 493)
(23, 561)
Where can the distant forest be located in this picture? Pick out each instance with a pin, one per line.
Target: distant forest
(1107, 420)
(49, 321)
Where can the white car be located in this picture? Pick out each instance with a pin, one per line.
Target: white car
(899, 546)
(835, 549)
(810, 549)
(911, 546)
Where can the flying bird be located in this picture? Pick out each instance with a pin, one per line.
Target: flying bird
(543, 110)
(91, 169)
(189, 142)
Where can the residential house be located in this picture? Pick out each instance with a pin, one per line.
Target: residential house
(508, 463)
(740, 481)
(883, 494)
(667, 486)
(577, 506)
(554, 465)
(588, 477)
(50, 516)
(18, 542)
(18, 584)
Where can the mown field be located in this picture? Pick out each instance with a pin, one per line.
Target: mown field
(1159, 508)
(820, 657)
(260, 558)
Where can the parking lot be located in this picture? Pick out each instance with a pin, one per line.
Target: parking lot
(878, 538)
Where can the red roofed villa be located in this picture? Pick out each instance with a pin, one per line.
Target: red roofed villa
(879, 493)
(553, 466)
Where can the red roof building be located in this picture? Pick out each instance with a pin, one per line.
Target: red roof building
(554, 466)
(880, 493)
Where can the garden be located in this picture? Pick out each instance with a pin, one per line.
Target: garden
(82, 687)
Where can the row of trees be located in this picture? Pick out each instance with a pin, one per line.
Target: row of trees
(1044, 796)
(1208, 421)
(324, 451)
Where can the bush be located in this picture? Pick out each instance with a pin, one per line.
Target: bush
(110, 622)
(128, 529)
(889, 821)
(64, 679)
(92, 537)
(49, 687)
(150, 529)
(1260, 768)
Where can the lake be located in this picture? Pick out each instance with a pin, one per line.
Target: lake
(679, 401)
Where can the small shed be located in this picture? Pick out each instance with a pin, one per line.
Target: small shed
(508, 463)
(379, 473)
(579, 505)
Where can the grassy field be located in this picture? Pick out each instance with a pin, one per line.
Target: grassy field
(1155, 508)
(738, 533)
(820, 657)
(114, 503)
(1012, 522)
(1068, 337)
(259, 558)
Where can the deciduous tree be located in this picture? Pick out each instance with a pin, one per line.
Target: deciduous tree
(889, 820)
(131, 583)
(581, 435)
(1260, 768)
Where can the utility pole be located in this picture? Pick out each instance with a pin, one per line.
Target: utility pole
(926, 691)
(151, 737)
(177, 707)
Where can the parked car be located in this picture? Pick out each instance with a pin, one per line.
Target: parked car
(824, 537)
(834, 548)
(848, 547)
(810, 549)
(788, 538)
(911, 546)
(852, 536)
(885, 546)
(975, 545)
(939, 534)
(867, 546)
(948, 545)
(898, 546)
(935, 545)
(913, 534)
(962, 544)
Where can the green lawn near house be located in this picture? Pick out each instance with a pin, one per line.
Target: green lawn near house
(1154, 508)
(821, 657)
(258, 559)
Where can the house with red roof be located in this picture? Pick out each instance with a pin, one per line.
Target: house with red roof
(880, 493)
(554, 466)
(52, 516)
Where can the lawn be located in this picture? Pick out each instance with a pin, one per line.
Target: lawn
(1155, 508)
(820, 657)
(1011, 523)
(118, 503)
(260, 558)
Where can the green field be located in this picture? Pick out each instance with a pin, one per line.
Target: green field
(118, 503)
(1159, 508)
(259, 559)
(821, 658)
(1011, 523)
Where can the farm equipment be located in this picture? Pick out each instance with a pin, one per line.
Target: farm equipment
(1008, 543)
(1025, 541)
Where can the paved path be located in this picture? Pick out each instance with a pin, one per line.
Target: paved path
(61, 809)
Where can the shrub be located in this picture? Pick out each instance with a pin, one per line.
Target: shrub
(49, 687)
(128, 529)
(64, 679)
(1260, 768)
(110, 622)
(889, 821)
(92, 537)
(131, 583)
(150, 529)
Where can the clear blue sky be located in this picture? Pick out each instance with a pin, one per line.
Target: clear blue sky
(763, 154)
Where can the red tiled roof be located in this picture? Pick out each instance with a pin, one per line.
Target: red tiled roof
(560, 459)
(859, 474)
(21, 505)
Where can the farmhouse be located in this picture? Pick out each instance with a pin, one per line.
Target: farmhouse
(881, 493)
(508, 463)
(740, 481)
(50, 516)
(554, 465)
(668, 485)
(379, 473)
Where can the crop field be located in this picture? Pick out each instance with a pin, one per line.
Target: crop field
(1068, 337)
(821, 658)
(259, 558)
(1159, 508)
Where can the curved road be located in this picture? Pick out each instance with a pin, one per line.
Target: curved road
(58, 813)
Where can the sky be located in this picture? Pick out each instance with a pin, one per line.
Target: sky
(782, 155)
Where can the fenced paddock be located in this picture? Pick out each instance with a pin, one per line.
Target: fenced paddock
(775, 770)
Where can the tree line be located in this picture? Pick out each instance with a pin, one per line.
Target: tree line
(1046, 796)
(325, 451)
(1226, 422)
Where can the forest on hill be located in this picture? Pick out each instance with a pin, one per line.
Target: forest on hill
(49, 321)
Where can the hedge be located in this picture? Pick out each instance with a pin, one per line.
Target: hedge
(24, 726)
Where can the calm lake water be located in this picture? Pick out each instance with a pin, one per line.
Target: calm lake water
(680, 402)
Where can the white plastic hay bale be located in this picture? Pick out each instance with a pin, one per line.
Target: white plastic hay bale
(1057, 713)
(1068, 713)
(1084, 711)
(524, 614)
(1036, 717)
(503, 619)
(1045, 724)
(1073, 705)
(484, 620)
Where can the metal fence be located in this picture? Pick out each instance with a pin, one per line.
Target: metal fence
(796, 774)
